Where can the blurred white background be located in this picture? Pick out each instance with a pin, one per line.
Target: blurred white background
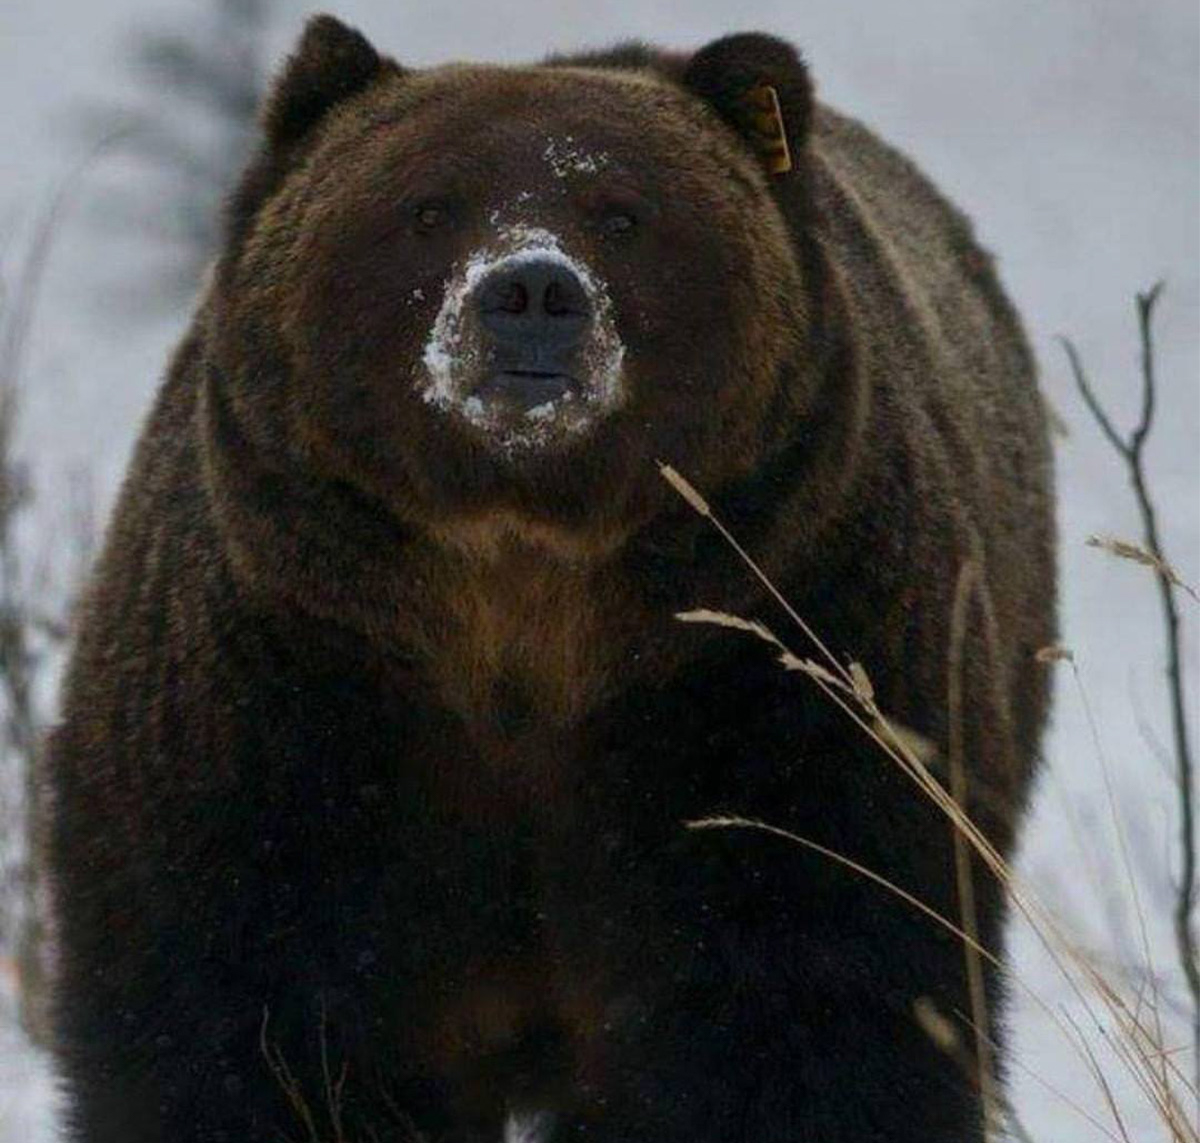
(1068, 129)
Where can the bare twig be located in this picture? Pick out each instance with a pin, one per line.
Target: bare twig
(1132, 451)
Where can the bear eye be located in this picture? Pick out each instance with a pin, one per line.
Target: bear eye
(619, 224)
(430, 215)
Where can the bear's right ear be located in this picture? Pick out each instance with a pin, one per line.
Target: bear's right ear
(759, 85)
(332, 62)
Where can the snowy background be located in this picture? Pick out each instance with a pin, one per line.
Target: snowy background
(1066, 128)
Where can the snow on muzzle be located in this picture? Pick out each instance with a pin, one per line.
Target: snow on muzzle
(524, 346)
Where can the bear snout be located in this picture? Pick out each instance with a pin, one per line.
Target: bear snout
(536, 314)
(534, 307)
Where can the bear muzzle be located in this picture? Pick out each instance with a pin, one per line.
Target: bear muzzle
(524, 347)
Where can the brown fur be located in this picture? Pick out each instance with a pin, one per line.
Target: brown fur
(364, 709)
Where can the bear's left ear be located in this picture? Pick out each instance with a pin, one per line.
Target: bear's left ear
(761, 88)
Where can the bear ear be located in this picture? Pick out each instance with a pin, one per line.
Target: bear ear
(332, 62)
(759, 85)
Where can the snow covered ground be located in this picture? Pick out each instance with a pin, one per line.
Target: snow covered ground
(27, 1095)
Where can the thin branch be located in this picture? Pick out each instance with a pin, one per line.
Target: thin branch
(1145, 306)
(1131, 452)
(1093, 404)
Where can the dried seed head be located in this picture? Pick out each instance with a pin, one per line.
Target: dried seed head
(684, 489)
(1054, 653)
(724, 619)
(936, 1026)
(862, 683)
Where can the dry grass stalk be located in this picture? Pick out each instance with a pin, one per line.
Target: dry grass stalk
(689, 494)
(1001, 1115)
(968, 582)
(1054, 653)
(332, 1087)
(727, 821)
(1127, 550)
(1136, 1046)
(286, 1079)
(402, 1129)
(1127, 865)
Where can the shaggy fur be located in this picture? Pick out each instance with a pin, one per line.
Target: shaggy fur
(377, 741)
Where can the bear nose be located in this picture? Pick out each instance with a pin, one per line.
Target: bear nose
(535, 305)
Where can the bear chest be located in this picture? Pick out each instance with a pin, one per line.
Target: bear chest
(520, 644)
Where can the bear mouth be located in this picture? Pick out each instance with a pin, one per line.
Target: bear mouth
(525, 392)
(518, 410)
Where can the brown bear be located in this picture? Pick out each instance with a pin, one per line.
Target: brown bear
(381, 733)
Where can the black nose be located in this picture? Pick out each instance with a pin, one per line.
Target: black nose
(534, 306)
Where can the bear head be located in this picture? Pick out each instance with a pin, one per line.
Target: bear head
(481, 293)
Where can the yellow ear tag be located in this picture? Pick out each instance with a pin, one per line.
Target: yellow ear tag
(764, 119)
